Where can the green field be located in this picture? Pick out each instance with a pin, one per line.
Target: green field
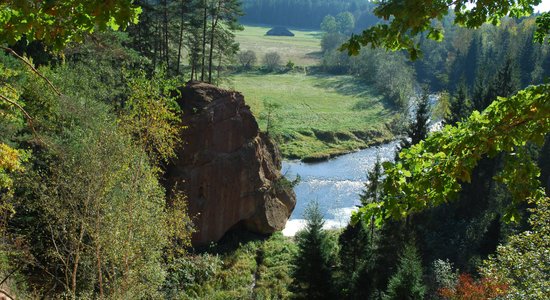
(303, 49)
(318, 115)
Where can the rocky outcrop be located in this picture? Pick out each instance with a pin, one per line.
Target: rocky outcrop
(227, 168)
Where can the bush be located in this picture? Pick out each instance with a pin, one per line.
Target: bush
(272, 61)
(247, 59)
(290, 65)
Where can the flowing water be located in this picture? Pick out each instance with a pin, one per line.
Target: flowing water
(335, 184)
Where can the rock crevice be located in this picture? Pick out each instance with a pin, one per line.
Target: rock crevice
(226, 167)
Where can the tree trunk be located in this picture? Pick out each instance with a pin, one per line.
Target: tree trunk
(76, 261)
(205, 16)
(215, 18)
(98, 259)
(219, 66)
(165, 25)
(180, 42)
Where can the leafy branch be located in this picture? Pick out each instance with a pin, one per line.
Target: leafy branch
(431, 171)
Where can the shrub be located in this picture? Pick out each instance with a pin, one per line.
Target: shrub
(247, 59)
(272, 61)
(468, 288)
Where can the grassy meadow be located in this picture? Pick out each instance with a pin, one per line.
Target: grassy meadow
(315, 116)
(302, 49)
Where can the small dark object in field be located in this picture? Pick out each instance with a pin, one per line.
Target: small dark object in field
(279, 31)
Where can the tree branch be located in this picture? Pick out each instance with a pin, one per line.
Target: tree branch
(29, 64)
(27, 116)
(6, 294)
(11, 273)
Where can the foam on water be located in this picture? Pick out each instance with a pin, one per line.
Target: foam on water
(335, 184)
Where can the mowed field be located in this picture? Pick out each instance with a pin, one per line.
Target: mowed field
(318, 116)
(304, 49)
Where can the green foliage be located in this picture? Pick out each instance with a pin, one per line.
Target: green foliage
(331, 41)
(152, 116)
(523, 262)
(274, 273)
(11, 159)
(460, 107)
(188, 275)
(258, 269)
(443, 274)
(345, 22)
(329, 24)
(372, 193)
(355, 276)
(389, 73)
(418, 128)
(412, 17)
(430, 172)
(271, 117)
(543, 27)
(94, 203)
(60, 22)
(313, 261)
(407, 283)
(319, 115)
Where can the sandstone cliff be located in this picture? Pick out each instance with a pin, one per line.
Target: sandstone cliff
(227, 168)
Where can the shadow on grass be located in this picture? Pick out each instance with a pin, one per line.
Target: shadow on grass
(354, 87)
(315, 34)
(315, 55)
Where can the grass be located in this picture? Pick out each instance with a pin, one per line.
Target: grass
(303, 49)
(255, 269)
(318, 116)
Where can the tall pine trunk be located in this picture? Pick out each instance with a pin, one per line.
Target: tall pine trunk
(215, 18)
(205, 16)
(165, 27)
(180, 41)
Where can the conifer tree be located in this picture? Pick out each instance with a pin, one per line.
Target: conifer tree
(312, 276)
(407, 283)
(418, 128)
(373, 190)
(460, 106)
(356, 276)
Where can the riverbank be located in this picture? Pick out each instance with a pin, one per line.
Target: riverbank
(335, 184)
(315, 117)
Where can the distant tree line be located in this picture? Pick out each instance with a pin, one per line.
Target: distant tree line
(305, 14)
(466, 63)
(472, 57)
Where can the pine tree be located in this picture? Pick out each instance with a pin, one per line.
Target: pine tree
(373, 190)
(356, 257)
(418, 128)
(312, 276)
(460, 106)
(407, 283)
(505, 83)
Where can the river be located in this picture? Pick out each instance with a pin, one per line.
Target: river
(335, 184)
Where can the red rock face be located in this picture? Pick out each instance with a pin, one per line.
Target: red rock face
(227, 168)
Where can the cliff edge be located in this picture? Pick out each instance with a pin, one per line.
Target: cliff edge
(227, 168)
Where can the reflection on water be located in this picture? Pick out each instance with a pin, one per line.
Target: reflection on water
(335, 184)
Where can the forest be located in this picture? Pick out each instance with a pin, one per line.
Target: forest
(94, 115)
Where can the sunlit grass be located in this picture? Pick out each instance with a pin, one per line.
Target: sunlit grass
(318, 115)
(303, 49)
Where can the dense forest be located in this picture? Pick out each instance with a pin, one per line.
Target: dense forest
(305, 14)
(90, 122)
